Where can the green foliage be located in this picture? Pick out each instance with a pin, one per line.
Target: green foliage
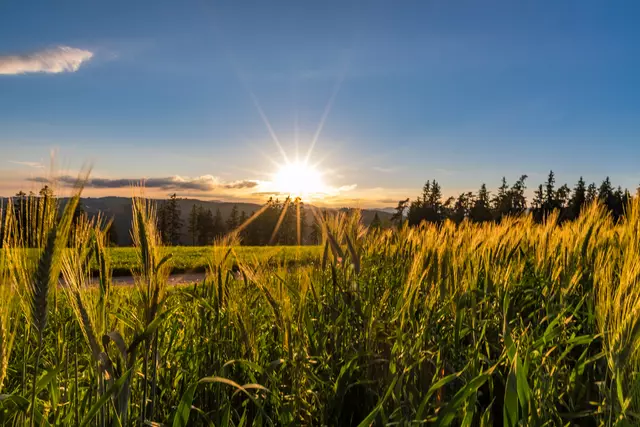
(170, 221)
(511, 201)
(510, 323)
(195, 259)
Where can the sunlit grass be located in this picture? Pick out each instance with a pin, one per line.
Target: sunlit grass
(515, 323)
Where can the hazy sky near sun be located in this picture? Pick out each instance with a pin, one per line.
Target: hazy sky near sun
(460, 91)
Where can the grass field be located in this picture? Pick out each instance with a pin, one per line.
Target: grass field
(196, 258)
(515, 324)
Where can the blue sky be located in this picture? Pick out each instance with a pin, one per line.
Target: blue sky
(460, 91)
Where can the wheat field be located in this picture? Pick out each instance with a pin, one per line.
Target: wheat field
(515, 323)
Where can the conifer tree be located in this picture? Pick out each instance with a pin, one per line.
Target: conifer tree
(462, 207)
(538, 204)
(480, 212)
(578, 199)
(398, 216)
(426, 191)
(435, 213)
(193, 224)
(605, 193)
(285, 223)
(550, 200)
(250, 231)
(563, 196)
(173, 220)
(619, 203)
(447, 209)
(592, 193)
(563, 199)
(205, 226)
(315, 236)
(415, 211)
(302, 221)
(241, 220)
(429, 207)
(518, 201)
(435, 195)
(234, 219)
(501, 201)
(218, 225)
(163, 223)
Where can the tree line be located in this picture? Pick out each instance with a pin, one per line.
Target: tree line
(510, 200)
(32, 212)
(278, 222)
(286, 222)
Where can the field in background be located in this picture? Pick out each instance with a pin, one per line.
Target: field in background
(187, 259)
(195, 259)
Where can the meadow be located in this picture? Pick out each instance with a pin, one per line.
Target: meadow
(186, 259)
(516, 323)
(194, 259)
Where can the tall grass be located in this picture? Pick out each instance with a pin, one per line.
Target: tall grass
(515, 323)
(8, 309)
(37, 224)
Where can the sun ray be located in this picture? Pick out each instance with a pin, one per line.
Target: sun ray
(319, 162)
(240, 75)
(319, 220)
(325, 114)
(268, 125)
(252, 218)
(298, 225)
(279, 223)
(266, 156)
(256, 172)
(322, 159)
(296, 124)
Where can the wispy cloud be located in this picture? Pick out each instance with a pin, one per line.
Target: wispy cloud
(346, 188)
(241, 184)
(36, 165)
(56, 60)
(202, 183)
(266, 189)
(383, 169)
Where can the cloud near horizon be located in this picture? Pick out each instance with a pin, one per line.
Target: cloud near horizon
(202, 183)
(36, 165)
(55, 60)
(394, 201)
(383, 169)
(266, 189)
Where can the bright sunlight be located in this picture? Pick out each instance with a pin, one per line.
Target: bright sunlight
(299, 179)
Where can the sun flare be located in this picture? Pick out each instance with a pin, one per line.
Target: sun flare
(299, 179)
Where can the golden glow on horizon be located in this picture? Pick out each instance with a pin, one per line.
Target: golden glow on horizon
(299, 179)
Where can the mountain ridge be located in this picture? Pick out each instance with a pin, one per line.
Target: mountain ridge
(119, 209)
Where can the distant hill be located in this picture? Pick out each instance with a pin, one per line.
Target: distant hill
(119, 208)
(369, 214)
(388, 210)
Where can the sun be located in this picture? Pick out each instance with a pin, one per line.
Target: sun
(299, 179)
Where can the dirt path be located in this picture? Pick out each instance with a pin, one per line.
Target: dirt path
(174, 279)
